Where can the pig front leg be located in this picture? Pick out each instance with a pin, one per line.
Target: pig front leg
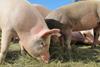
(6, 37)
(67, 38)
(22, 50)
(62, 41)
(68, 35)
(96, 36)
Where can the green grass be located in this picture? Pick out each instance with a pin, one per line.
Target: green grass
(82, 56)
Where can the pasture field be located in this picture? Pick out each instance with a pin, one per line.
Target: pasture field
(82, 56)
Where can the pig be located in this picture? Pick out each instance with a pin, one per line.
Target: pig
(76, 36)
(43, 11)
(89, 36)
(83, 15)
(85, 37)
(19, 16)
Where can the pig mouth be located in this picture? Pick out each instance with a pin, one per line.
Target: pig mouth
(41, 56)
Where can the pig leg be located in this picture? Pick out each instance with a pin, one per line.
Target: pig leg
(68, 39)
(96, 36)
(6, 37)
(62, 41)
(22, 49)
(68, 35)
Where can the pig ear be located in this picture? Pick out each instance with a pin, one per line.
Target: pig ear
(51, 32)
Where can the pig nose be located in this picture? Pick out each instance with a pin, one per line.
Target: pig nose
(45, 57)
(46, 61)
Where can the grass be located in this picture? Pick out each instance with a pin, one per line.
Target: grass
(82, 56)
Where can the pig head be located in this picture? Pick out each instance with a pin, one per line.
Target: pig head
(89, 36)
(85, 37)
(19, 16)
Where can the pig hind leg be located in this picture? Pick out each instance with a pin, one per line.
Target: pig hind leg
(96, 29)
(5, 39)
(96, 35)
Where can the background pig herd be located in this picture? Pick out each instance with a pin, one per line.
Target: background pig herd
(34, 26)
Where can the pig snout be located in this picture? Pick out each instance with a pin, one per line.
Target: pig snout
(45, 57)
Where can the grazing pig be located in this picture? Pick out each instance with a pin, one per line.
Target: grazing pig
(43, 11)
(78, 16)
(85, 37)
(19, 16)
(76, 36)
(89, 36)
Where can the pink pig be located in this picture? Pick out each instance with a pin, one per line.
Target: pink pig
(19, 16)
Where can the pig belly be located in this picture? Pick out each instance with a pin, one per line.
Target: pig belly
(86, 22)
(84, 27)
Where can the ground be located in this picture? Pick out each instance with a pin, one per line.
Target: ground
(82, 56)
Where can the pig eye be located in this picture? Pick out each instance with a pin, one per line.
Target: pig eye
(42, 43)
